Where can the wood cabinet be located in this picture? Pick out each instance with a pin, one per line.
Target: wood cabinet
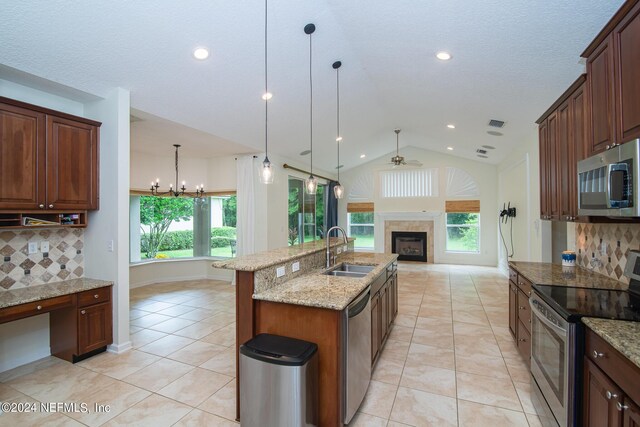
(610, 388)
(613, 80)
(48, 159)
(384, 308)
(520, 312)
(600, 73)
(80, 324)
(562, 139)
(600, 397)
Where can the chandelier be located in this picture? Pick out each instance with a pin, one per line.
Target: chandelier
(178, 191)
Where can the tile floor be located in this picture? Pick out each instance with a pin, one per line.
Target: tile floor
(449, 360)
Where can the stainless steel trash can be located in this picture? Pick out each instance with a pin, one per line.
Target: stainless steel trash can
(278, 382)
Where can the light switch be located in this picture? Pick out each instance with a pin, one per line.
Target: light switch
(33, 247)
(44, 246)
(280, 271)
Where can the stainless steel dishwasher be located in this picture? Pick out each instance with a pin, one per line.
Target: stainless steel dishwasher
(357, 358)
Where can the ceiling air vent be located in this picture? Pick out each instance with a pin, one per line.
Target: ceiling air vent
(481, 151)
(496, 123)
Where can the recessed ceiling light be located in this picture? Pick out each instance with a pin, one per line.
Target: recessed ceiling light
(451, 126)
(489, 147)
(443, 56)
(362, 156)
(201, 53)
(267, 96)
(450, 148)
(483, 156)
(338, 139)
(494, 133)
(305, 152)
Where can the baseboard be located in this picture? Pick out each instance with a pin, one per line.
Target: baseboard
(119, 348)
(5, 365)
(166, 279)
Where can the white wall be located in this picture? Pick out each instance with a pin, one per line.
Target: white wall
(519, 182)
(111, 222)
(485, 176)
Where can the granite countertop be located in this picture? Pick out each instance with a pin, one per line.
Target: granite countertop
(544, 273)
(623, 335)
(19, 296)
(318, 290)
(261, 260)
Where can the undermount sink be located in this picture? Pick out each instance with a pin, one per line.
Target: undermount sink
(349, 270)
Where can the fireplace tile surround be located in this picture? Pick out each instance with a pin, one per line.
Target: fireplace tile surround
(390, 222)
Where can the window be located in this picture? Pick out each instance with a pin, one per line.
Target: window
(182, 227)
(463, 232)
(360, 226)
(409, 183)
(306, 213)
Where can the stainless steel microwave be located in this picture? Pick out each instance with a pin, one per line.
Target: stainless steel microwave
(607, 182)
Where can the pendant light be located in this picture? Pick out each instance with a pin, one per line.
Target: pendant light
(338, 190)
(311, 183)
(266, 175)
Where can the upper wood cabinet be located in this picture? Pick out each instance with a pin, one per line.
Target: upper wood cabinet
(613, 80)
(626, 42)
(563, 142)
(48, 159)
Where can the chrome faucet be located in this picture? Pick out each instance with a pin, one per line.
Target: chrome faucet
(331, 260)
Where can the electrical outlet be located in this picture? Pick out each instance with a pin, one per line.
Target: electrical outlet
(44, 246)
(33, 247)
(339, 250)
(110, 245)
(296, 266)
(344, 248)
(280, 271)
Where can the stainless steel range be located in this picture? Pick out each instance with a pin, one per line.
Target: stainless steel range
(557, 340)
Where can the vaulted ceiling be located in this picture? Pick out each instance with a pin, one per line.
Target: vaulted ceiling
(511, 60)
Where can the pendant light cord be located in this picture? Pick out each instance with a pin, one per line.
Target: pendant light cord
(311, 102)
(338, 118)
(266, 90)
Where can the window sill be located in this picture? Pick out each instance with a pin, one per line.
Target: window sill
(463, 252)
(164, 260)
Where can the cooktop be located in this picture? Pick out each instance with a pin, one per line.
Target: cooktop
(574, 303)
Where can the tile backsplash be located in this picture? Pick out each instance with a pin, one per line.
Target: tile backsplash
(18, 268)
(604, 247)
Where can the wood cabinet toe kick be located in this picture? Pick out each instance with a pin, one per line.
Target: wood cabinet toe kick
(80, 324)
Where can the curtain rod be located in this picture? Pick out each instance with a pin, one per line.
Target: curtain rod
(286, 166)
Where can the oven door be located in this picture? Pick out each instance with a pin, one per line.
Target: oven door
(551, 359)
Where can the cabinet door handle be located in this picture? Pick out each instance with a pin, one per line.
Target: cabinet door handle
(39, 307)
(41, 206)
(621, 407)
(51, 206)
(608, 146)
(96, 296)
(596, 354)
(522, 307)
(611, 395)
(83, 312)
(522, 340)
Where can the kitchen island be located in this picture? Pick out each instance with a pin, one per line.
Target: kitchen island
(306, 304)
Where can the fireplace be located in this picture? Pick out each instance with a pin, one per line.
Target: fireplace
(409, 245)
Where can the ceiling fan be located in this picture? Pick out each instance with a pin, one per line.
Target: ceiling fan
(399, 160)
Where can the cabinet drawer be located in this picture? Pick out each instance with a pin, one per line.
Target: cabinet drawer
(524, 310)
(615, 365)
(524, 285)
(94, 296)
(513, 275)
(524, 342)
(34, 308)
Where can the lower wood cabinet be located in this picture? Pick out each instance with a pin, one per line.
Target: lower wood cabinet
(610, 386)
(94, 327)
(384, 308)
(520, 312)
(513, 308)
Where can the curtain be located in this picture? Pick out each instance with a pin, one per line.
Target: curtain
(331, 215)
(245, 220)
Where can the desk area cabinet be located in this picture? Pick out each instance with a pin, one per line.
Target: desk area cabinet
(80, 321)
